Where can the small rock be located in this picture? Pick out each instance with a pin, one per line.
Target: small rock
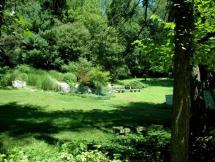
(140, 129)
(127, 131)
(18, 84)
(118, 130)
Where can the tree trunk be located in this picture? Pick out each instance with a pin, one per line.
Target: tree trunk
(198, 111)
(182, 77)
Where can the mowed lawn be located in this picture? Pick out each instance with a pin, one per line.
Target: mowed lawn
(39, 120)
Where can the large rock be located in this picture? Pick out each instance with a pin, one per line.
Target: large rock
(18, 84)
(63, 87)
(83, 89)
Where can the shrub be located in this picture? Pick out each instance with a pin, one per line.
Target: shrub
(46, 83)
(6, 80)
(74, 147)
(82, 71)
(56, 75)
(202, 149)
(24, 68)
(151, 146)
(70, 78)
(71, 67)
(42, 80)
(32, 79)
(87, 75)
(121, 72)
(134, 85)
(75, 151)
(99, 78)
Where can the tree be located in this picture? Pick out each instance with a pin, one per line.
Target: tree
(203, 61)
(3, 57)
(2, 4)
(184, 20)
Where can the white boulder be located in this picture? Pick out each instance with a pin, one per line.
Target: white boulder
(18, 84)
(63, 87)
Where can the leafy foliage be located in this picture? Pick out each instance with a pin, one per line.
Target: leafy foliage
(151, 146)
(135, 85)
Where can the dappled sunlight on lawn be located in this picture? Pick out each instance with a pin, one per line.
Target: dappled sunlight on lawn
(31, 117)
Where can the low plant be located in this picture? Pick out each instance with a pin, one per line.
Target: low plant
(134, 85)
(68, 152)
(87, 75)
(70, 78)
(151, 146)
(7, 78)
(99, 78)
(46, 83)
(56, 75)
(24, 68)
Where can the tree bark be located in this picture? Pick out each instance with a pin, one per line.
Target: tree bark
(182, 76)
(198, 109)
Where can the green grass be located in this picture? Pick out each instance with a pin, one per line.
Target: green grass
(39, 120)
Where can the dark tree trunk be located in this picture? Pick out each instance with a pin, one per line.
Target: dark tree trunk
(182, 77)
(198, 111)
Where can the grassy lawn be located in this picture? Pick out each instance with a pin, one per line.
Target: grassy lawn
(38, 120)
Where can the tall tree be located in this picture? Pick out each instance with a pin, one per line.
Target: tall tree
(184, 20)
(3, 58)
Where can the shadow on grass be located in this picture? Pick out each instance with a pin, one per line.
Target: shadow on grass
(26, 120)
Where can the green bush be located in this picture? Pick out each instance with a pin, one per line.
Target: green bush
(41, 80)
(32, 79)
(87, 75)
(46, 83)
(82, 70)
(134, 85)
(56, 75)
(68, 152)
(70, 78)
(7, 78)
(71, 67)
(152, 146)
(20, 76)
(24, 68)
(75, 147)
(121, 72)
(99, 78)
